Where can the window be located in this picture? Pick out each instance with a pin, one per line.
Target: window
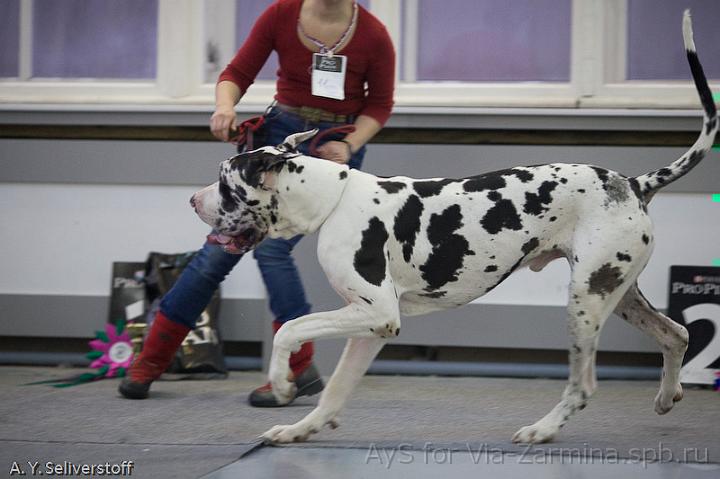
(451, 53)
(94, 39)
(9, 38)
(654, 39)
(493, 40)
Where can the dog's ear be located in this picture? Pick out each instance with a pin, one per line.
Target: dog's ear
(292, 141)
(258, 168)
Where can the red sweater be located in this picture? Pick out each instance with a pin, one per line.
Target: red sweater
(371, 59)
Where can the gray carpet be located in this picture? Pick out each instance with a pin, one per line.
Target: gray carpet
(199, 426)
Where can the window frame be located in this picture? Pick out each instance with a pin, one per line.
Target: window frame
(597, 66)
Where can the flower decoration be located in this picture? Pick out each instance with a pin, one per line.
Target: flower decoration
(112, 351)
(111, 355)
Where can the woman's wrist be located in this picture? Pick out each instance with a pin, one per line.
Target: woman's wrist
(350, 147)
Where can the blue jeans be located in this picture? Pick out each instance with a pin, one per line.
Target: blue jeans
(201, 277)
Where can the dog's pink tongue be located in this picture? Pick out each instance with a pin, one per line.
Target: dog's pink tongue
(217, 238)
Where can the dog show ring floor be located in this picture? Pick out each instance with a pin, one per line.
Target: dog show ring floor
(394, 426)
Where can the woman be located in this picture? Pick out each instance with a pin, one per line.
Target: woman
(337, 67)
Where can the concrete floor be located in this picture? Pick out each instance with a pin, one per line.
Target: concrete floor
(393, 427)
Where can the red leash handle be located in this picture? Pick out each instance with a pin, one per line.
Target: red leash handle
(338, 129)
(243, 134)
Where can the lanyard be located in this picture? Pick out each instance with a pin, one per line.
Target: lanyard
(324, 48)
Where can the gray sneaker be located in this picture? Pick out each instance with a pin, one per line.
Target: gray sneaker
(308, 383)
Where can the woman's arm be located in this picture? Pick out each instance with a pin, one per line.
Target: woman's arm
(224, 120)
(340, 152)
(240, 73)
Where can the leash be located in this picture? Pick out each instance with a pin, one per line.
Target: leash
(335, 130)
(243, 135)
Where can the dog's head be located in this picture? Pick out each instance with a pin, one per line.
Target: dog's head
(241, 205)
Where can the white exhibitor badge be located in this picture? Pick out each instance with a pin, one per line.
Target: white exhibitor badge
(328, 76)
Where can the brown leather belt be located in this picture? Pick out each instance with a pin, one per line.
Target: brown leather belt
(315, 114)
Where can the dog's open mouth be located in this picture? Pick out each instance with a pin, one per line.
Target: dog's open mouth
(239, 244)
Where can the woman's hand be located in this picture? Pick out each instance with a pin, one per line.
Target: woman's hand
(222, 122)
(336, 151)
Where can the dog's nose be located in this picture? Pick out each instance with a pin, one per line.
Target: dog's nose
(192, 202)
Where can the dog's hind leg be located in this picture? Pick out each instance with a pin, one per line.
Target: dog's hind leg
(670, 336)
(356, 358)
(594, 293)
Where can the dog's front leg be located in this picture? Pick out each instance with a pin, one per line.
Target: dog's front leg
(369, 326)
(356, 358)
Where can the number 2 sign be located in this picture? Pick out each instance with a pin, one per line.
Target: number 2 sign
(694, 302)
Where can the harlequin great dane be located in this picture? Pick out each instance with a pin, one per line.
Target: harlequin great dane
(393, 246)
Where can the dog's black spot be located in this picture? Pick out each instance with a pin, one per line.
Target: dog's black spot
(605, 280)
(488, 181)
(635, 187)
(376, 201)
(343, 175)
(563, 180)
(434, 294)
(407, 225)
(645, 239)
(616, 187)
(300, 169)
(523, 175)
(491, 268)
(710, 125)
(502, 215)
(429, 188)
(534, 202)
(553, 218)
(602, 174)
(370, 259)
(664, 172)
(391, 186)
(494, 196)
(623, 257)
(448, 248)
(252, 202)
(291, 166)
(240, 192)
(368, 301)
(581, 190)
(252, 165)
(228, 203)
(529, 246)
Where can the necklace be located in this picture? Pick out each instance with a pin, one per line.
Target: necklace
(324, 49)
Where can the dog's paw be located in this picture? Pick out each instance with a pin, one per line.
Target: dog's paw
(286, 434)
(298, 432)
(664, 402)
(283, 390)
(535, 434)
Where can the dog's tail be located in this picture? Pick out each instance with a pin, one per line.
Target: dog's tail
(649, 183)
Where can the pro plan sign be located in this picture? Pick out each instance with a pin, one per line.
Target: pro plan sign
(695, 303)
